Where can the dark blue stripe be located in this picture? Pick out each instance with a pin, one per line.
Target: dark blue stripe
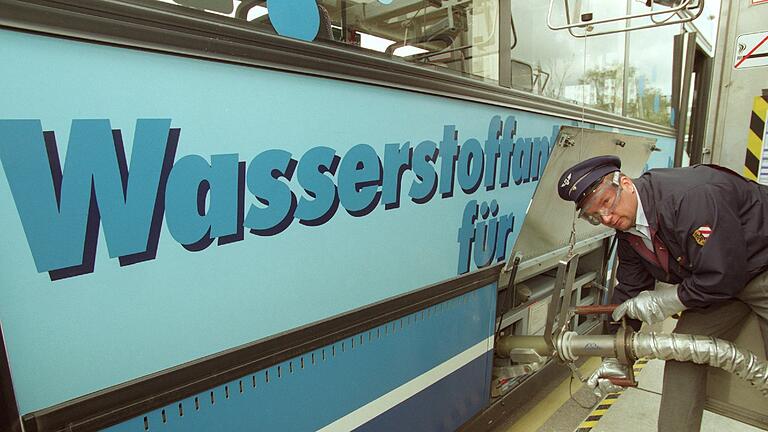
(343, 377)
(443, 406)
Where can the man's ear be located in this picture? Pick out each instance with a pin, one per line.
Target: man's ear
(625, 181)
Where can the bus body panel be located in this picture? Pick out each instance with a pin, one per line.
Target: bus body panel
(238, 141)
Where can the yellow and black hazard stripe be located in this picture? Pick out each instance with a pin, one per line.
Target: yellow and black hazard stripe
(755, 138)
(598, 413)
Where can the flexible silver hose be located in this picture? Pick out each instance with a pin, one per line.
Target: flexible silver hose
(704, 350)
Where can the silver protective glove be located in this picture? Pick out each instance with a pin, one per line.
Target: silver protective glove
(598, 382)
(651, 306)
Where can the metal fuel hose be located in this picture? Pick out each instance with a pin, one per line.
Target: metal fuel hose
(705, 350)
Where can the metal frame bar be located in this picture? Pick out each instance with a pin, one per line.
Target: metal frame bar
(699, 7)
(625, 87)
(511, 316)
(534, 266)
(505, 40)
(685, 92)
(677, 73)
(608, 20)
(703, 63)
(569, 266)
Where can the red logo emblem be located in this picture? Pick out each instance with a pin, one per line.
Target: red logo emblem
(702, 234)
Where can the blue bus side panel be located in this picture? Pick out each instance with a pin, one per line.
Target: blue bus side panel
(354, 376)
(69, 336)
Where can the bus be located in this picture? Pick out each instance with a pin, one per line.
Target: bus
(379, 158)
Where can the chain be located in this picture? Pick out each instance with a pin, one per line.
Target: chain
(572, 238)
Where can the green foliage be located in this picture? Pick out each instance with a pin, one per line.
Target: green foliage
(607, 84)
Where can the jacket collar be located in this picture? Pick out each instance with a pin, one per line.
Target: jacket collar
(645, 193)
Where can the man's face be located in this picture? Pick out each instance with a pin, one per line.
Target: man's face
(614, 208)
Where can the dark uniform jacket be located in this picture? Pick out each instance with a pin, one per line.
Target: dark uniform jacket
(709, 227)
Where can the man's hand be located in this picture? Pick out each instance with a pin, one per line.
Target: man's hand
(609, 368)
(651, 306)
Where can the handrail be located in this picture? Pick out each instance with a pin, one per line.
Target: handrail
(686, 5)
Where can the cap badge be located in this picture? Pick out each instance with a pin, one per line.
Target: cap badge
(567, 181)
(702, 234)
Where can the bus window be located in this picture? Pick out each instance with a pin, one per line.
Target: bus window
(649, 93)
(577, 70)
(458, 36)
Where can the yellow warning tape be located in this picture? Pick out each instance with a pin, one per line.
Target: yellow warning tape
(610, 399)
(755, 138)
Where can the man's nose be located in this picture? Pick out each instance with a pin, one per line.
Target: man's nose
(606, 219)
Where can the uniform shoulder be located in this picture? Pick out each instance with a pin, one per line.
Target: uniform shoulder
(670, 186)
(690, 177)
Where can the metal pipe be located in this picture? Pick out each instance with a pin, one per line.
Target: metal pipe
(569, 346)
(592, 346)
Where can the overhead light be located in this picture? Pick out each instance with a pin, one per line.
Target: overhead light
(375, 43)
(380, 44)
(408, 50)
(255, 12)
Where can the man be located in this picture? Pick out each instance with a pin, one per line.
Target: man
(703, 228)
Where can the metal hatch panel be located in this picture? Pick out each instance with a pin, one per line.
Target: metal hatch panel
(547, 226)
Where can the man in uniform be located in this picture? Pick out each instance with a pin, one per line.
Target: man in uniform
(702, 228)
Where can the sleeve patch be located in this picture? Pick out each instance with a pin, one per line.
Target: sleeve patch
(702, 234)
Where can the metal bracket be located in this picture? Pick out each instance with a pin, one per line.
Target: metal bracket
(624, 352)
(525, 355)
(567, 141)
(566, 274)
(575, 371)
(510, 295)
